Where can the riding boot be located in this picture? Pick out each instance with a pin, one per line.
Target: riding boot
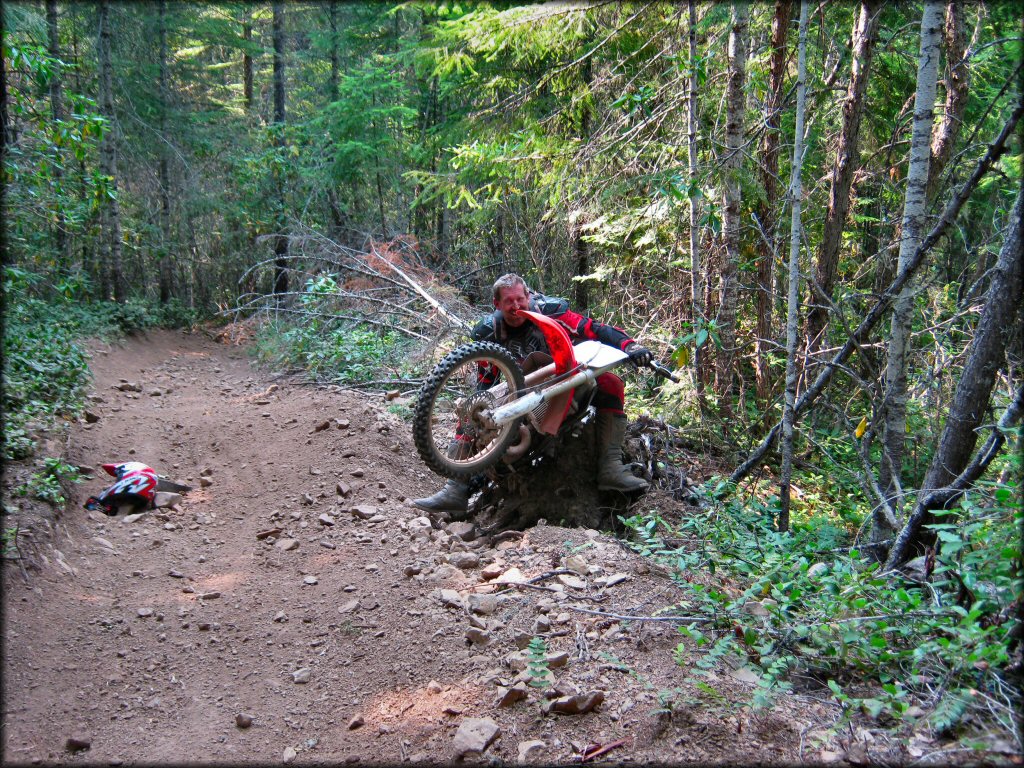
(453, 497)
(612, 475)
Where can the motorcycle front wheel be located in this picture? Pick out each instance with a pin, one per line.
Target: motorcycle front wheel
(448, 429)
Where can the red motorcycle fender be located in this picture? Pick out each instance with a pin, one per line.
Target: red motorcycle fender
(560, 346)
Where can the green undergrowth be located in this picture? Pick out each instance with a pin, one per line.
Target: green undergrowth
(807, 611)
(335, 352)
(45, 366)
(313, 337)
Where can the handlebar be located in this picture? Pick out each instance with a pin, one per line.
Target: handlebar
(661, 370)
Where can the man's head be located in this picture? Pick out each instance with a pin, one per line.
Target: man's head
(511, 294)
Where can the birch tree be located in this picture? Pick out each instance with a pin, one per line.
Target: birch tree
(894, 403)
(792, 314)
(728, 288)
(884, 302)
(951, 469)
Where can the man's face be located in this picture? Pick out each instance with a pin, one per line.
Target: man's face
(510, 301)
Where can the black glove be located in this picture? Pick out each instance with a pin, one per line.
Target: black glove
(637, 354)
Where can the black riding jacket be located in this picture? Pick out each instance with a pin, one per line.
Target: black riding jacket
(528, 338)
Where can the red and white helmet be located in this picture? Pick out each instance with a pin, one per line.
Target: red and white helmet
(136, 485)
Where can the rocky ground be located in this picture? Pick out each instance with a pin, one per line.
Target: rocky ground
(294, 607)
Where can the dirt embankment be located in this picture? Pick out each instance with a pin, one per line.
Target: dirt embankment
(295, 607)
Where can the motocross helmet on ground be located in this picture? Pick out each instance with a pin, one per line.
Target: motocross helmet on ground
(136, 485)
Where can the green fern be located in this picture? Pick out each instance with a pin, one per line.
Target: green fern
(950, 710)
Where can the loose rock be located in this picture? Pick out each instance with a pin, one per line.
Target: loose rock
(77, 743)
(465, 560)
(528, 749)
(348, 607)
(483, 604)
(474, 735)
(574, 705)
(451, 598)
(509, 696)
(479, 637)
(364, 511)
(464, 530)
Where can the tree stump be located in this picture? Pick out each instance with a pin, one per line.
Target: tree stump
(556, 482)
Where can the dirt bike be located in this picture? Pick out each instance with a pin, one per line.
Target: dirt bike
(460, 430)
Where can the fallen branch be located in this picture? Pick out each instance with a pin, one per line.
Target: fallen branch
(426, 296)
(593, 751)
(620, 617)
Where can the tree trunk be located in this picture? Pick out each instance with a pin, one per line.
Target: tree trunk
(57, 112)
(696, 270)
(164, 268)
(860, 335)
(6, 138)
(332, 21)
(580, 248)
(581, 256)
(281, 242)
(1002, 318)
(793, 314)
(728, 282)
(767, 213)
(956, 83)
(247, 63)
(865, 33)
(894, 403)
(110, 216)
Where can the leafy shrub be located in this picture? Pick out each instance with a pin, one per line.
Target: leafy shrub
(880, 641)
(48, 485)
(315, 340)
(46, 371)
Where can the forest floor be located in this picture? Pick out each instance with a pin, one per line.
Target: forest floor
(353, 632)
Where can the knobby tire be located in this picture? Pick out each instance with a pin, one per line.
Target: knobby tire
(431, 443)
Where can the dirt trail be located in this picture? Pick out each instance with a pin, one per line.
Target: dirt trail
(372, 640)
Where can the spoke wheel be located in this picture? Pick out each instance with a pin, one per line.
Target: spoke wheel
(449, 430)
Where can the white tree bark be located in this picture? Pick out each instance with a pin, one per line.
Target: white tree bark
(951, 468)
(894, 405)
(792, 315)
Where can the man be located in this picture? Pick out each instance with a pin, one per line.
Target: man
(521, 337)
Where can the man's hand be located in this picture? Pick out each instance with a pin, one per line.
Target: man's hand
(637, 354)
